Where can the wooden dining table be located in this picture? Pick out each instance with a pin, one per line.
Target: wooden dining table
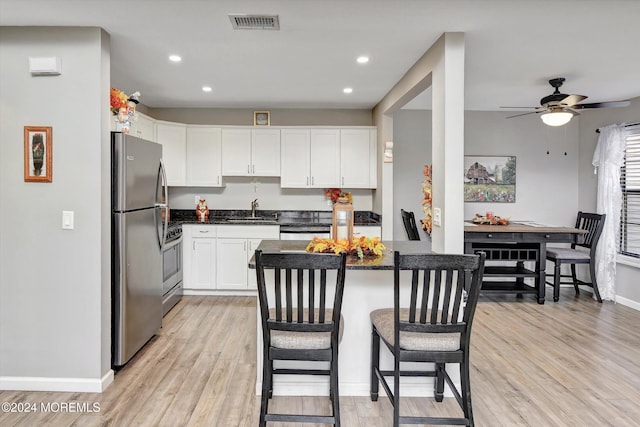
(519, 251)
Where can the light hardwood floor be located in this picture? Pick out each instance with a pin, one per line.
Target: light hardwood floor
(571, 363)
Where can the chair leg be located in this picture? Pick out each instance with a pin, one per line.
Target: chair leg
(267, 380)
(438, 385)
(574, 277)
(556, 281)
(465, 384)
(375, 363)
(396, 390)
(594, 282)
(334, 390)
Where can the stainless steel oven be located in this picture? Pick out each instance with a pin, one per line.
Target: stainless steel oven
(172, 269)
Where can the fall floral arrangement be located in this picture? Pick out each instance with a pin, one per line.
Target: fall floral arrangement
(360, 246)
(335, 193)
(426, 199)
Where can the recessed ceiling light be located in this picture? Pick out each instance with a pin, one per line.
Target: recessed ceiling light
(347, 90)
(362, 59)
(206, 88)
(175, 58)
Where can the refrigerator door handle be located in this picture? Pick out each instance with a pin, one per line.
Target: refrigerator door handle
(162, 175)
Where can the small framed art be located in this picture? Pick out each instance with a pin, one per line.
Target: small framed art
(38, 155)
(261, 118)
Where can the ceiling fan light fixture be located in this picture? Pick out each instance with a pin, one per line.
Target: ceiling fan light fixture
(556, 118)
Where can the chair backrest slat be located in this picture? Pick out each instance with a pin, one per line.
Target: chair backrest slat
(409, 222)
(446, 281)
(593, 223)
(306, 301)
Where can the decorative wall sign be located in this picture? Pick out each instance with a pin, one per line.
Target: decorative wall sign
(490, 179)
(261, 118)
(38, 154)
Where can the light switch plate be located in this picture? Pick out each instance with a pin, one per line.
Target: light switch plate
(67, 220)
(437, 217)
(197, 200)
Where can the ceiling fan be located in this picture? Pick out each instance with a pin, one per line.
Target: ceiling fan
(558, 108)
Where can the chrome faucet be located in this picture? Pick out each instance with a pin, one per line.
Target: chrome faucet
(254, 205)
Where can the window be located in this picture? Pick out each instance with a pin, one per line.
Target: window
(630, 183)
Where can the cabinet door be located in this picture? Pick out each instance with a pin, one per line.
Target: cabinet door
(143, 127)
(325, 158)
(236, 152)
(265, 152)
(173, 137)
(204, 160)
(355, 153)
(203, 263)
(295, 158)
(232, 263)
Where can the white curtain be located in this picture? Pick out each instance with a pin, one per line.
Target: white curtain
(608, 159)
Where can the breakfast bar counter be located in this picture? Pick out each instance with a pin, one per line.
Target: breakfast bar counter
(368, 286)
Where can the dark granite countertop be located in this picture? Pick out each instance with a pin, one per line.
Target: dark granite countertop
(269, 217)
(385, 262)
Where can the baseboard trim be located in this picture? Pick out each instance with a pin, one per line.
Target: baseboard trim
(214, 292)
(628, 302)
(79, 385)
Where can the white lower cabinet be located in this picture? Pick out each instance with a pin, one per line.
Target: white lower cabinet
(232, 261)
(367, 231)
(199, 256)
(216, 257)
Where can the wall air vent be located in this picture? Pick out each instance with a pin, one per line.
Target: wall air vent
(241, 21)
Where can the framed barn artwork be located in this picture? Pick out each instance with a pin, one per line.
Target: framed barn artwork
(490, 179)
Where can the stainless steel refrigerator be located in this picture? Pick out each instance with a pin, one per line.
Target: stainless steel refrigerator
(138, 195)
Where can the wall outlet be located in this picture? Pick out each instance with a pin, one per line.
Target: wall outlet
(437, 217)
(197, 200)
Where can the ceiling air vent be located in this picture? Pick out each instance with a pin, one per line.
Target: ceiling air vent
(241, 21)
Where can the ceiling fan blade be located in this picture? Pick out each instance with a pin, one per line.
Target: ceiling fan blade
(572, 100)
(524, 114)
(528, 108)
(601, 105)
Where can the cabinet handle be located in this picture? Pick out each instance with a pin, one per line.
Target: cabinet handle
(343, 180)
(218, 180)
(194, 245)
(248, 168)
(489, 235)
(253, 168)
(546, 236)
(245, 245)
(307, 181)
(204, 231)
(311, 180)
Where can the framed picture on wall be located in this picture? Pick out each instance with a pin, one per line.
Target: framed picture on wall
(490, 179)
(38, 155)
(261, 118)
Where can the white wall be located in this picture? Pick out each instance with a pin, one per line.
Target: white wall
(411, 152)
(54, 283)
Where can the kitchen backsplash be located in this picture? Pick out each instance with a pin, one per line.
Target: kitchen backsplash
(240, 191)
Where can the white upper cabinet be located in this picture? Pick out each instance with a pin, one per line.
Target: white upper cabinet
(358, 158)
(204, 156)
(173, 137)
(265, 152)
(325, 158)
(250, 152)
(295, 158)
(310, 158)
(143, 127)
